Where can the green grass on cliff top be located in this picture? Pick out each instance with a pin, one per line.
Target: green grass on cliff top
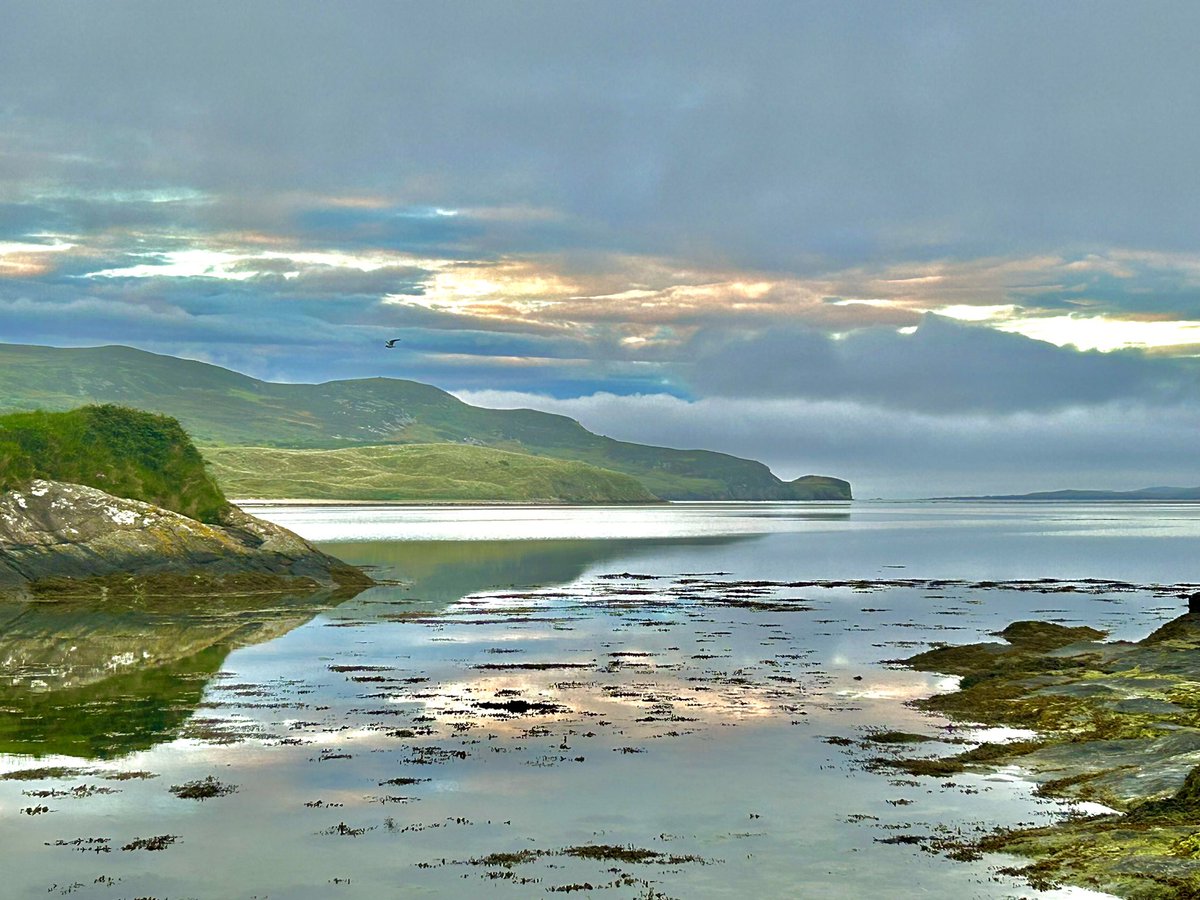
(417, 473)
(124, 452)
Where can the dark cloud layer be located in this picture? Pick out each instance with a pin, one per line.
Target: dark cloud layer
(944, 366)
(777, 134)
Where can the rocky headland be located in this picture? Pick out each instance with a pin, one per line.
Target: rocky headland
(106, 500)
(59, 539)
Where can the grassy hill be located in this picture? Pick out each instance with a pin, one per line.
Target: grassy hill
(221, 407)
(121, 451)
(417, 473)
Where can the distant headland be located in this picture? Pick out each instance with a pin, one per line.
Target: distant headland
(1150, 493)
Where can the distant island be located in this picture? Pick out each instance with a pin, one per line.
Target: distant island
(383, 438)
(1150, 493)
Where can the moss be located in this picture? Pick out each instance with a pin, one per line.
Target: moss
(507, 860)
(594, 852)
(990, 752)
(1060, 787)
(1181, 809)
(1042, 636)
(935, 767)
(124, 452)
(203, 789)
(941, 767)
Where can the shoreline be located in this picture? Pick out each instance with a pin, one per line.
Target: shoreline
(1115, 725)
(301, 502)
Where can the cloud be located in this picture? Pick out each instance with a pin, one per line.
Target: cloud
(781, 135)
(943, 366)
(745, 208)
(899, 453)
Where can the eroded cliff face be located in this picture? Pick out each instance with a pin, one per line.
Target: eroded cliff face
(67, 540)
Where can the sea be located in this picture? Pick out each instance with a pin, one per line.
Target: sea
(662, 701)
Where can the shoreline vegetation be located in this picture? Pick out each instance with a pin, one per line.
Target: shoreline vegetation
(1113, 723)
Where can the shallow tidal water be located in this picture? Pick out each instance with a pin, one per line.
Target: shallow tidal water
(665, 701)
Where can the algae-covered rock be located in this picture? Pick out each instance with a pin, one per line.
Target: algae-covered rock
(1028, 635)
(1117, 723)
(60, 540)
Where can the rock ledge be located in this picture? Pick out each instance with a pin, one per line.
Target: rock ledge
(60, 539)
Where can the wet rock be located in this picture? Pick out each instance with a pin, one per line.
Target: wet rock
(1117, 723)
(59, 539)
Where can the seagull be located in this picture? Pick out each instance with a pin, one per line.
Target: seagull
(392, 343)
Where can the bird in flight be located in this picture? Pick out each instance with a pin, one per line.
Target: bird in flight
(391, 343)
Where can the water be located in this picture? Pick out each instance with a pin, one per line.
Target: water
(532, 681)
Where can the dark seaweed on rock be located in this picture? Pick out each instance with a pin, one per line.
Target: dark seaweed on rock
(203, 789)
(1116, 722)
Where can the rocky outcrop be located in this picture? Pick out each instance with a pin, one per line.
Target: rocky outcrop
(59, 539)
(1116, 723)
(818, 487)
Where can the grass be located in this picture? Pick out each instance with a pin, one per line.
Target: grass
(124, 452)
(417, 473)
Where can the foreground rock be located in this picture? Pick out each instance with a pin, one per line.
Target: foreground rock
(68, 540)
(1117, 723)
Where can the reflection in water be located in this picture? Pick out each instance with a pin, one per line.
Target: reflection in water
(99, 680)
(438, 573)
(333, 524)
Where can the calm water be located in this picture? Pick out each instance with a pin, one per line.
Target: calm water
(532, 681)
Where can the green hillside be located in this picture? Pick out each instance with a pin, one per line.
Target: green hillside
(417, 473)
(121, 451)
(221, 407)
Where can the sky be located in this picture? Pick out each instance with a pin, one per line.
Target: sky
(933, 248)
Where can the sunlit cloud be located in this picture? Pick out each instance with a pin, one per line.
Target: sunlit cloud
(1107, 334)
(507, 289)
(240, 266)
(22, 259)
(648, 304)
(966, 313)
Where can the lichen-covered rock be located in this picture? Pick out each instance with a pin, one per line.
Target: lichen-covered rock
(59, 539)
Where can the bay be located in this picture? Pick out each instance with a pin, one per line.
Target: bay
(672, 700)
